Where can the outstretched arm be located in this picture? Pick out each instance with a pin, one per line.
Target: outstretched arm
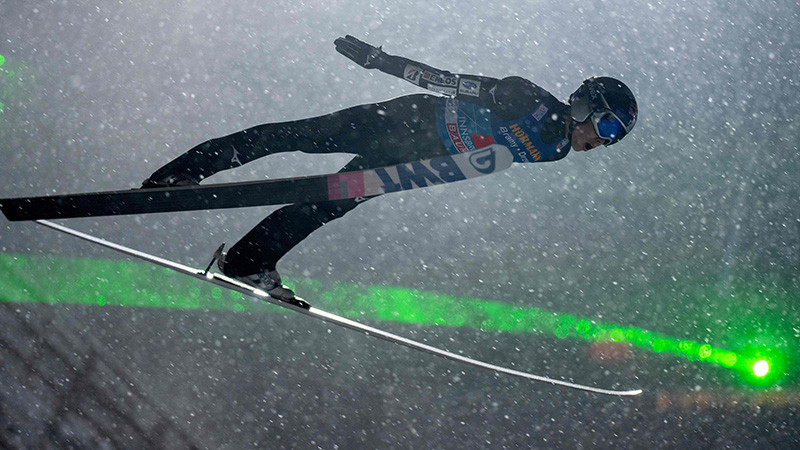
(473, 88)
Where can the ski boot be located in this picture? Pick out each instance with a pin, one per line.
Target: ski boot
(170, 181)
(268, 281)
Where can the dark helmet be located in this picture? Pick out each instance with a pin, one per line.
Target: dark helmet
(609, 104)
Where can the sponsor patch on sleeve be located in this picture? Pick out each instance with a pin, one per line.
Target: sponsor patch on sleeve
(412, 74)
(442, 80)
(470, 87)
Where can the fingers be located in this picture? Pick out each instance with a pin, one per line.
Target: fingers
(361, 53)
(348, 51)
(342, 41)
(353, 48)
(342, 45)
(351, 42)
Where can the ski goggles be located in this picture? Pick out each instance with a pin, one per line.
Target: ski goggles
(609, 127)
(607, 124)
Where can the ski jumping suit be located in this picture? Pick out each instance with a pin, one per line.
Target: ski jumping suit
(474, 112)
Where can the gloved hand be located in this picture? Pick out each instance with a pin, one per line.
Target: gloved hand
(360, 52)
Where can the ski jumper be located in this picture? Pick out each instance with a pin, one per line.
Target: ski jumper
(474, 111)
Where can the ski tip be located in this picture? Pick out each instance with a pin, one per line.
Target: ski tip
(632, 393)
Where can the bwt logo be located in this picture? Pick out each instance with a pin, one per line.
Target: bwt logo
(440, 170)
(420, 173)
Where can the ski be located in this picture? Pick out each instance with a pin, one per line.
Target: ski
(303, 307)
(358, 184)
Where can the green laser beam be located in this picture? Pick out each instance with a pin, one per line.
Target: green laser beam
(121, 283)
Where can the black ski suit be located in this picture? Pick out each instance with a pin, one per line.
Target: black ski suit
(400, 130)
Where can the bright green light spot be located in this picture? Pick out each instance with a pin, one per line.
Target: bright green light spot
(2, 60)
(761, 368)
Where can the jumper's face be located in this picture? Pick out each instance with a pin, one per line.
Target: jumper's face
(584, 138)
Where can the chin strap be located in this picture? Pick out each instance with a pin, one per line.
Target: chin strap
(571, 127)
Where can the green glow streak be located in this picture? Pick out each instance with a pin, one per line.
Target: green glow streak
(2, 60)
(120, 283)
(108, 283)
(426, 308)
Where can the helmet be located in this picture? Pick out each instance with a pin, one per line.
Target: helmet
(609, 104)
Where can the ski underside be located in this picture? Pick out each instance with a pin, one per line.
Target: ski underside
(304, 308)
